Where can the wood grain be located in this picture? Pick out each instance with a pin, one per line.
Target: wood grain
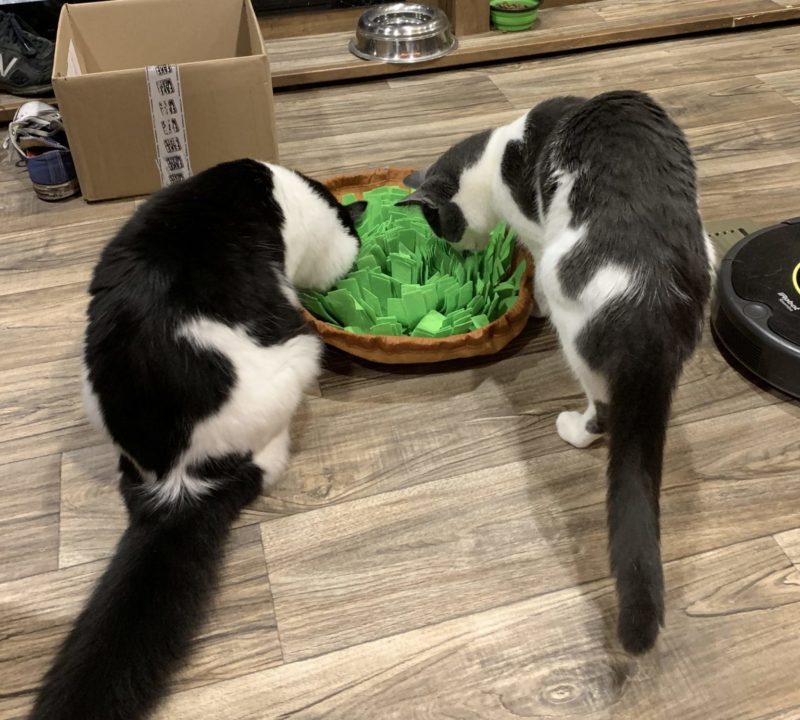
(655, 65)
(555, 657)
(347, 575)
(42, 412)
(511, 407)
(469, 17)
(10, 103)
(325, 57)
(790, 542)
(763, 190)
(692, 105)
(746, 144)
(790, 713)
(298, 25)
(787, 83)
(53, 255)
(239, 638)
(312, 48)
(59, 312)
(302, 115)
(20, 209)
(433, 538)
(633, 9)
(405, 146)
(483, 415)
(29, 521)
(91, 510)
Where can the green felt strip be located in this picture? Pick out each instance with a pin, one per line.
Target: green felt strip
(390, 328)
(397, 308)
(431, 323)
(479, 321)
(367, 262)
(407, 281)
(415, 307)
(371, 303)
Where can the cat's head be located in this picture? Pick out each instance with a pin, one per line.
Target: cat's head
(456, 193)
(453, 203)
(320, 233)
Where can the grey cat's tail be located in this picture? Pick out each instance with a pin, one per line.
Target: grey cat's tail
(637, 422)
(138, 625)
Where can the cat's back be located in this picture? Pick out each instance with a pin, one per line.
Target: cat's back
(210, 247)
(191, 284)
(194, 242)
(631, 175)
(623, 123)
(620, 174)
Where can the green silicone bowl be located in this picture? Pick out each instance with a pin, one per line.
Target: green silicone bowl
(513, 15)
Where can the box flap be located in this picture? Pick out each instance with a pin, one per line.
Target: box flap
(120, 144)
(125, 34)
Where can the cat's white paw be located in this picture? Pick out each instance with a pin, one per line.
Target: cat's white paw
(274, 458)
(571, 427)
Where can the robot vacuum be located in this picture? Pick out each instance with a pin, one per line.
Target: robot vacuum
(755, 314)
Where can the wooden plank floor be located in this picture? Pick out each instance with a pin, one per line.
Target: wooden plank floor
(563, 25)
(325, 57)
(435, 551)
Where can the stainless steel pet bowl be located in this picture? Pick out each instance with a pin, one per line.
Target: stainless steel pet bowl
(403, 33)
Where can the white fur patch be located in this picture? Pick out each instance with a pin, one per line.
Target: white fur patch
(559, 239)
(474, 198)
(529, 231)
(274, 458)
(268, 387)
(286, 288)
(91, 405)
(609, 282)
(569, 315)
(484, 198)
(319, 248)
(711, 253)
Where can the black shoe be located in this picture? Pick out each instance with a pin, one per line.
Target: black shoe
(26, 59)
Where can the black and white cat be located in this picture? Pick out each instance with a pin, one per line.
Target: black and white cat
(603, 193)
(196, 358)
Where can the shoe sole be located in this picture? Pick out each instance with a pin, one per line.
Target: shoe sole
(31, 91)
(52, 193)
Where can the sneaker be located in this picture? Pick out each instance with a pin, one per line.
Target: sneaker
(26, 59)
(36, 136)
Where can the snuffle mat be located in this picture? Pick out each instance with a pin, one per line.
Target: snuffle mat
(411, 297)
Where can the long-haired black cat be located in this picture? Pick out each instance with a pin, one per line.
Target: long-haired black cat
(196, 358)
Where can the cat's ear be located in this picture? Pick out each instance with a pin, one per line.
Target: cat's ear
(356, 210)
(416, 179)
(418, 197)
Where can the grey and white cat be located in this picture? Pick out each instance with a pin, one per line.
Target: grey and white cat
(603, 193)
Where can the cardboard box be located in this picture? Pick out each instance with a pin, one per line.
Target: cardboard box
(153, 90)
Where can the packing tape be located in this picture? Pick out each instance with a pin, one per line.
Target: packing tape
(169, 123)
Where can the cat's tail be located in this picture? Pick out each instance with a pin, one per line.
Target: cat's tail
(637, 421)
(139, 622)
